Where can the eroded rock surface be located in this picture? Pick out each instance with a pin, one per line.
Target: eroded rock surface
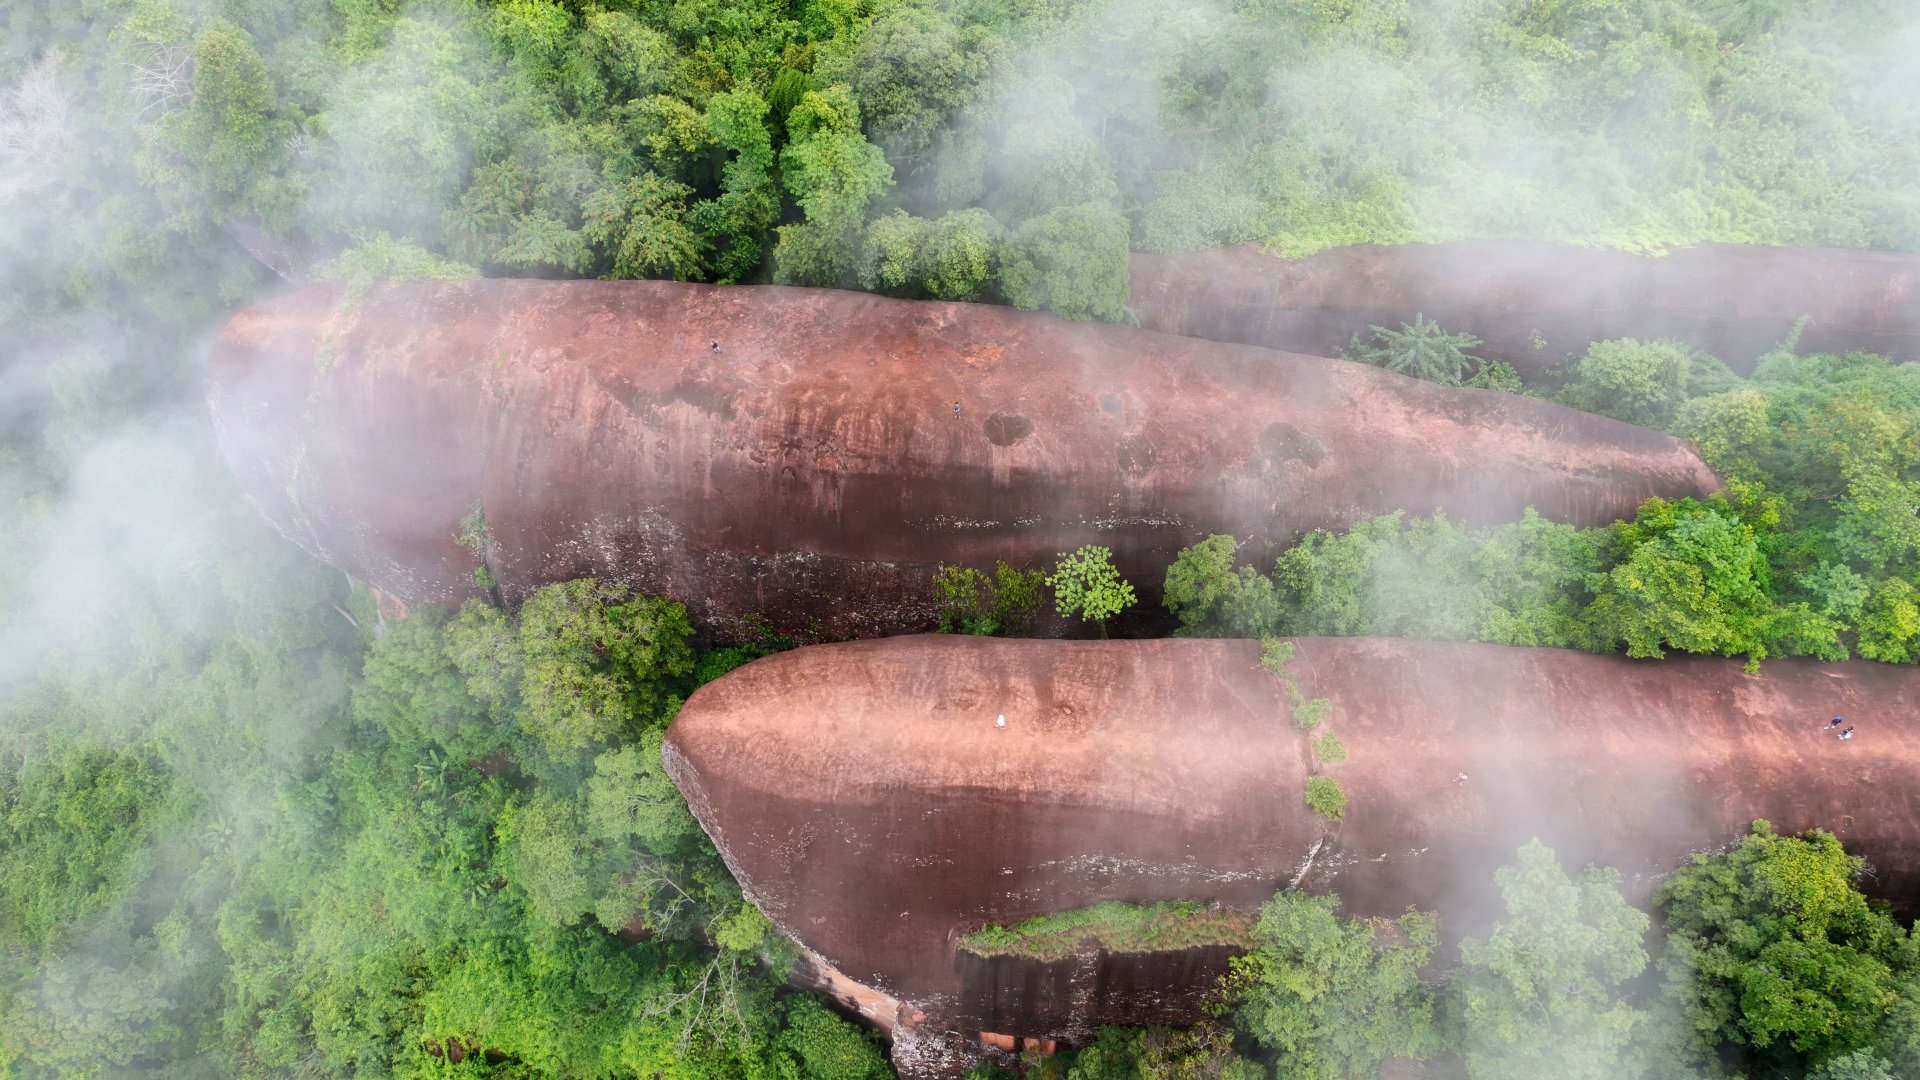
(1535, 303)
(868, 799)
(816, 466)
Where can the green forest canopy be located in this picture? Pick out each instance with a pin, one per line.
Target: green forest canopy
(1012, 149)
(244, 836)
(1813, 551)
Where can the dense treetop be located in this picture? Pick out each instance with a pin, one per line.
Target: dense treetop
(1012, 149)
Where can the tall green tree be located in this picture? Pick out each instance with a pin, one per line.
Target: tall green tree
(833, 173)
(1640, 382)
(1543, 995)
(643, 224)
(599, 661)
(1071, 261)
(1332, 997)
(1213, 598)
(961, 257)
(1693, 576)
(230, 133)
(1775, 957)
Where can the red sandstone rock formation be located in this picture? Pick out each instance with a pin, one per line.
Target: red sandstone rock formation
(868, 800)
(815, 466)
(1732, 301)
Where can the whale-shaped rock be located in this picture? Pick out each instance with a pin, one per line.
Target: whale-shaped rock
(813, 454)
(878, 799)
(1536, 305)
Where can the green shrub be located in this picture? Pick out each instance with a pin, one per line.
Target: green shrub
(826, 1047)
(1773, 952)
(962, 255)
(1333, 997)
(890, 258)
(1640, 382)
(1326, 797)
(1275, 655)
(961, 595)
(1308, 714)
(1498, 375)
(969, 604)
(1328, 747)
(379, 257)
(1016, 599)
(1546, 993)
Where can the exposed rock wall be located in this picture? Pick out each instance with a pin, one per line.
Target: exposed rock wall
(868, 800)
(815, 466)
(1535, 303)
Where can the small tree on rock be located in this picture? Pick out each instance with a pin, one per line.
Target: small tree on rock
(1086, 584)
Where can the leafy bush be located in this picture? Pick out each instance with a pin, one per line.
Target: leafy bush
(1693, 576)
(1016, 598)
(962, 595)
(599, 661)
(1498, 375)
(1640, 382)
(1742, 573)
(961, 259)
(1328, 748)
(1277, 656)
(1309, 714)
(969, 604)
(379, 257)
(827, 1047)
(1859, 1065)
(1202, 1052)
(891, 257)
(1523, 584)
(1212, 598)
(1326, 797)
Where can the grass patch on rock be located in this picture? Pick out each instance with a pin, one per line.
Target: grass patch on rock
(1118, 927)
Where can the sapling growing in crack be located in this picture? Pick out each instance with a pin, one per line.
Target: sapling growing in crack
(474, 535)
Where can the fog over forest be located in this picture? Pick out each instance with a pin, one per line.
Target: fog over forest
(260, 816)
